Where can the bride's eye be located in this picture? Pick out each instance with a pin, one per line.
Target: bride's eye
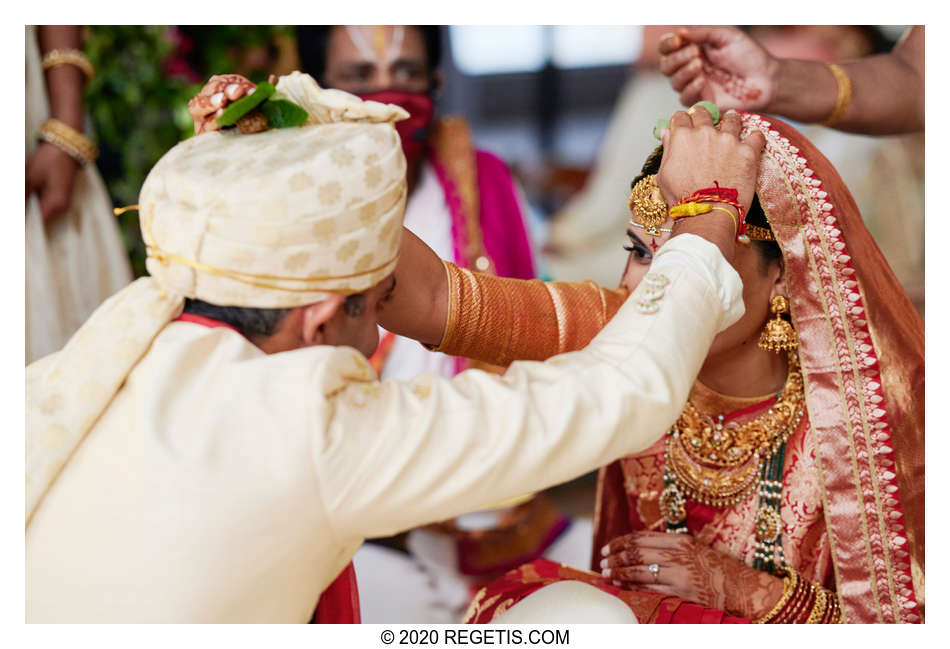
(639, 250)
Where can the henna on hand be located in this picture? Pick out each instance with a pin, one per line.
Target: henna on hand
(213, 98)
(729, 583)
(691, 571)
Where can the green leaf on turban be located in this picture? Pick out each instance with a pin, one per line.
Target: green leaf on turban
(283, 113)
(246, 104)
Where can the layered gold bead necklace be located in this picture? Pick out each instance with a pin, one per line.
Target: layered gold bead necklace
(721, 464)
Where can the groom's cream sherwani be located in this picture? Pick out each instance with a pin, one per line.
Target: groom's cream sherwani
(225, 485)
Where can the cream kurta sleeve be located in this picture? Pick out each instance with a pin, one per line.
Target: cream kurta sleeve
(397, 455)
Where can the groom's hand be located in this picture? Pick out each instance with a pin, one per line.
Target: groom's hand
(697, 155)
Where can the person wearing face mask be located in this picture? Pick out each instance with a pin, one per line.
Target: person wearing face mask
(465, 205)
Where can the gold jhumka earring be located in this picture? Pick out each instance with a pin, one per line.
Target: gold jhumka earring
(778, 335)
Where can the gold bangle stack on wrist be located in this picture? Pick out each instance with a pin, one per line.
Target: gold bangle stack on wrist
(68, 57)
(69, 140)
(803, 602)
(844, 95)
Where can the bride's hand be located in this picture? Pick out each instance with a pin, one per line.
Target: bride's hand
(691, 571)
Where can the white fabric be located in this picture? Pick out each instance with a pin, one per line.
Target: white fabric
(393, 587)
(445, 593)
(78, 260)
(330, 105)
(281, 217)
(429, 218)
(568, 602)
(225, 485)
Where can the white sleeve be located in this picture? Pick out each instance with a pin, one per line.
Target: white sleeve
(397, 455)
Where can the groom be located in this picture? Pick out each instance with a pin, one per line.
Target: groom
(213, 446)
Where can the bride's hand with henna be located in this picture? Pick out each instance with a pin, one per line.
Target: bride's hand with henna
(689, 570)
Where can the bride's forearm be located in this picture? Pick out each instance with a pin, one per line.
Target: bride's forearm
(498, 320)
(419, 304)
(491, 319)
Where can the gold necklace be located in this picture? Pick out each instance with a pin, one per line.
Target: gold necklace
(720, 464)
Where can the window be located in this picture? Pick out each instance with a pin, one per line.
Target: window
(497, 49)
(576, 46)
(500, 49)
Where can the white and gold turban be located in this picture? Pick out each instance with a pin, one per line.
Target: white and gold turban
(276, 219)
(280, 218)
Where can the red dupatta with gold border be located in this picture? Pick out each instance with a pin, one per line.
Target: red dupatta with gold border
(862, 353)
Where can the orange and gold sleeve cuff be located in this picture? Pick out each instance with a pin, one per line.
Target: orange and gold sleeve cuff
(500, 320)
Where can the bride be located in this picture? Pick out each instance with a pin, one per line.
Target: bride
(791, 487)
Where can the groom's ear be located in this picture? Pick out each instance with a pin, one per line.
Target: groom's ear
(315, 317)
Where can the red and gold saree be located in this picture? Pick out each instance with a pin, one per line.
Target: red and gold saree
(853, 503)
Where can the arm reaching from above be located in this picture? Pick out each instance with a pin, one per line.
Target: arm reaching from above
(544, 423)
(500, 320)
(728, 67)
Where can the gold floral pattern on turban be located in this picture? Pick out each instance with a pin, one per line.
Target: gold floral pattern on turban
(276, 219)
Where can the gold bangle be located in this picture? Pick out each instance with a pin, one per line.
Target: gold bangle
(66, 138)
(844, 95)
(735, 219)
(68, 57)
(818, 608)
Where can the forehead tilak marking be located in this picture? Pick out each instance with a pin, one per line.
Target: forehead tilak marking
(357, 38)
(378, 51)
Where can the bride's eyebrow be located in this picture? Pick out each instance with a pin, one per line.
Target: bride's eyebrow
(635, 238)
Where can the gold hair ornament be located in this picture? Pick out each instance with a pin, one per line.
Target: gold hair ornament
(638, 225)
(756, 233)
(648, 205)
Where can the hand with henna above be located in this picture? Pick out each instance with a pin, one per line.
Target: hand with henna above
(728, 67)
(718, 64)
(690, 571)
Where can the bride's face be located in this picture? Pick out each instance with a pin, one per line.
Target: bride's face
(761, 280)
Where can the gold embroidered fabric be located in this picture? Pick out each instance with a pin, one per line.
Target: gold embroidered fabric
(499, 320)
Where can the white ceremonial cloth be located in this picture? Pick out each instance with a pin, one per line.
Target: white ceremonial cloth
(225, 485)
